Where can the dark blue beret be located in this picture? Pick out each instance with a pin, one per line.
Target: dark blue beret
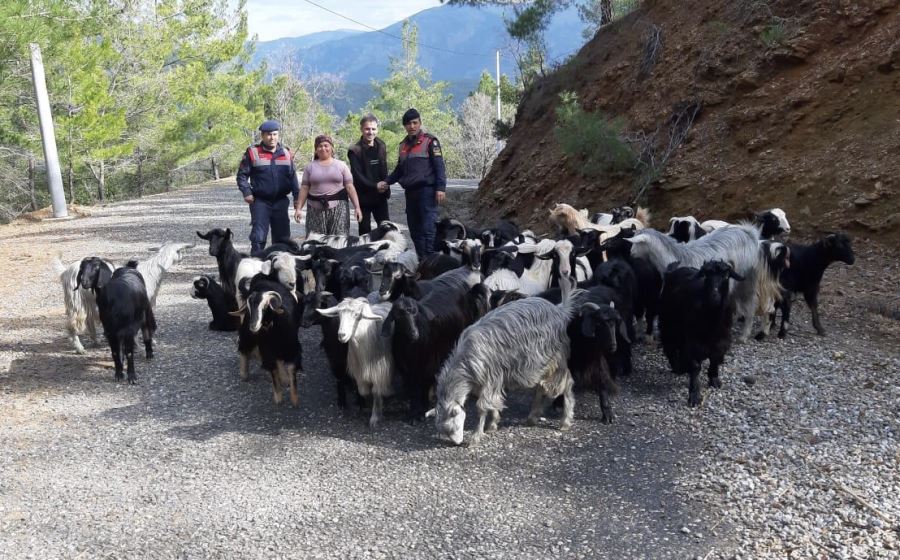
(410, 115)
(270, 126)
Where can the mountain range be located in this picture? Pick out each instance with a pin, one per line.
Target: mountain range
(456, 44)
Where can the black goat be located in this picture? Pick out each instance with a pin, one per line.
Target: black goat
(219, 302)
(397, 281)
(502, 233)
(271, 317)
(124, 308)
(808, 264)
(649, 280)
(227, 258)
(423, 333)
(594, 335)
(695, 321)
(335, 350)
(435, 264)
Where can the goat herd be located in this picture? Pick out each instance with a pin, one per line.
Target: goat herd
(491, 310)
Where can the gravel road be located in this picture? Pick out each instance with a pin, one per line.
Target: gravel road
(796, 456)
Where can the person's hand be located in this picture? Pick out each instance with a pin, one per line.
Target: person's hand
(298, 214)
(440, 197)
(358, 215)
(382, 186)
(249, 199)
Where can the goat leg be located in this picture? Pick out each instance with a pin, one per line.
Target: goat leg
(76, 342)
(694, 396)
(602, 380)
(377, 407)
(785, 315)
(129, 355)
(537, 407)
(276, 384)
(243, 366)
(495, 421)
(812, 300)
(295, 397)
(147, 337)
(114, 346)
(713, 372)
(341, 394)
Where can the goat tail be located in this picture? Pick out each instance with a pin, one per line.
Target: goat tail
(59, 266)
(643, 215)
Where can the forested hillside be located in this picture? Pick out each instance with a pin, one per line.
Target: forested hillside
(717, 109)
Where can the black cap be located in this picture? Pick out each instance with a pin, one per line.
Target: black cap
(410, 115)
(270, 126)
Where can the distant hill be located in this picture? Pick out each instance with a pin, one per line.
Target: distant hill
(457, 43)
(272, 51)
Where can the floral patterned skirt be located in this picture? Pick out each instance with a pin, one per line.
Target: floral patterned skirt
(329, 221)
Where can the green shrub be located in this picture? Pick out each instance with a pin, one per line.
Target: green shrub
(593, 143)
(774, 34)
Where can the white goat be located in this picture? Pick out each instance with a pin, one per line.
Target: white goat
(370, 361)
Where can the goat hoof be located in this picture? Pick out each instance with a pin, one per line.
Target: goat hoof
(565, 426)
(492, 427)
(473, 441)
(694, 400)
(782, 334)
(606, 418)
(821, 332)
(532, 421)
(760, 336)
(373, 422)
(715, 383)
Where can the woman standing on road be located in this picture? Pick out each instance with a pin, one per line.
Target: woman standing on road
(328, 184)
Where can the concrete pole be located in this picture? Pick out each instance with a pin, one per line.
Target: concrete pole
(51, 157)
(498, 85)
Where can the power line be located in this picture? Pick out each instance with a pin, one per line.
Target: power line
(383, 32)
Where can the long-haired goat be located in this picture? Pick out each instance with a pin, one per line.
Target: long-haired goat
(524, 344)
(774, 258)
(369, 358)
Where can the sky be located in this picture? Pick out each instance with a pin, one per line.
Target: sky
(273, 19)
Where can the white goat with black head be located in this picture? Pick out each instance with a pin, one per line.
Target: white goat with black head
(736, 245)
(369, 358)
(520, 344)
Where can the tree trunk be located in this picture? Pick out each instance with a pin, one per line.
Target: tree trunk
(140, 176)
(70, 177)
(31, 182)
(215, 169)
(101, 183)
(606, 11)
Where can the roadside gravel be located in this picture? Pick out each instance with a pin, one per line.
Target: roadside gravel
(193, 463)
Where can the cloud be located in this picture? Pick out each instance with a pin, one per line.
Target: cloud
(292, 18)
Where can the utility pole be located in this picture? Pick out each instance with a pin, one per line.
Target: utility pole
(51, 157)
(498, 84)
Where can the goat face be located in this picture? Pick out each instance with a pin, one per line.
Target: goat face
(201, 287)
(217, 238)
(603, 323)
(840, 248)
(283, 267)
(93, 274)
(351, 312)
(495, 259)
(772, 222)
(390, 275)
(402, 317)
(716, 276)
(261, 305)
(449, 421)
(322, 269)
(621, 213)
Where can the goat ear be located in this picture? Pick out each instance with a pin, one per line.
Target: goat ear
(622, 329)
(431, 413)
(587, 327)
(582, 251)
(387, 328)
(735, 275)
(266, 267)
(228, 233)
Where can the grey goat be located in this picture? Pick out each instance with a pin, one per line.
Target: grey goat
(521, 344)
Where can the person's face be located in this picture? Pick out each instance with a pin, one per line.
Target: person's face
(270, 139)
(369, 131)
(325, 151)
(413, 126)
